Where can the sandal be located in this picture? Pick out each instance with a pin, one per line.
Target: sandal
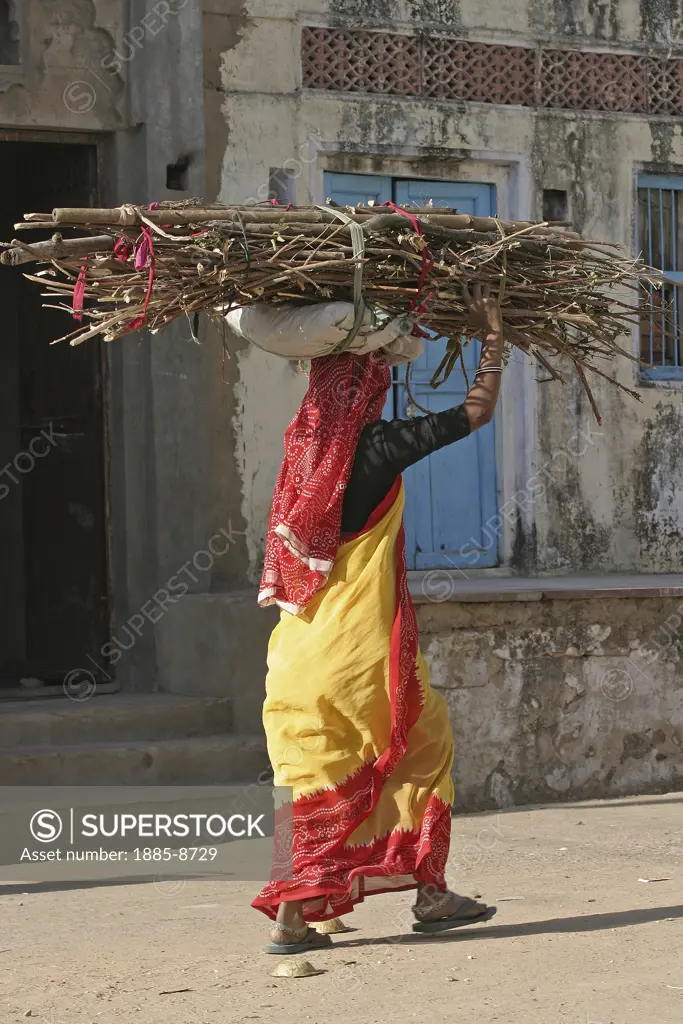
(459, 920)
(304, 939)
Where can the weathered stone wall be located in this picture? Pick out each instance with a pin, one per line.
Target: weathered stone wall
(559, 700)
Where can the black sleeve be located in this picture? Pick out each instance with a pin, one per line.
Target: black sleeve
(385, 449)
(408, 441)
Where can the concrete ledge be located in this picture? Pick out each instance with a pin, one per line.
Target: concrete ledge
(436, 586)
(202, 761)
(111, 719)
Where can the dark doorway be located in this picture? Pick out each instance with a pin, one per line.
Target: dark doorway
(53, 604)
(9, 33)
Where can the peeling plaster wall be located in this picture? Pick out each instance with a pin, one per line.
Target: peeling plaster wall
(616, 507)
(62, 78)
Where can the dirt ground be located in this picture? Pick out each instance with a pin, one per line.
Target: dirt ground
(578, 938)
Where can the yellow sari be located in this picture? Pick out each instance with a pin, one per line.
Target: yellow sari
(355, 729)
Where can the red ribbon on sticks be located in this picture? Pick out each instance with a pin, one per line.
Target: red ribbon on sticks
(418, 304)
(144, 254)
(79, 294)
(274, 202)
(123, 249)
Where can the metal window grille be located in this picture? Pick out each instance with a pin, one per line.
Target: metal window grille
(659, 228)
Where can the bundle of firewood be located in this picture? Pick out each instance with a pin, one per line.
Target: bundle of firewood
(562, 297)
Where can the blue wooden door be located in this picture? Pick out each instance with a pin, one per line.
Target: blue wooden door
(452, 495)
(448, 529)
(349, 189)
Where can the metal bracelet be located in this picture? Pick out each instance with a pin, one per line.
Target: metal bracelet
(490, 369)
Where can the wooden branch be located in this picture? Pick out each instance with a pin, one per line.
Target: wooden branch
(46, 225)
(56, 248)
(586, 388)
(127, 216)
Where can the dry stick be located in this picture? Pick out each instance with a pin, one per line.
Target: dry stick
(555, 374)
(328, 237)
(582, 376)
(61, 308)
(419, 211)
(462, 364)
(98, 329)
(47, 225)
(441, 226)
(616, 383)
(56, 286)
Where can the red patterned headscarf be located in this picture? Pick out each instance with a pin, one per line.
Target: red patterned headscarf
(345, 393)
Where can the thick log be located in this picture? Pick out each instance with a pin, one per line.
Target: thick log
(127, 216)
(56, 248)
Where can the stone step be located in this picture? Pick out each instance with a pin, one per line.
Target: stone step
(112, 718)
(203, 760)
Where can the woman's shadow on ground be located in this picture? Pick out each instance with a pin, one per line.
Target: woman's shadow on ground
(583, 923)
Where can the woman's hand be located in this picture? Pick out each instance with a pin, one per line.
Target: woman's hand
(485, 316)
(483, 310)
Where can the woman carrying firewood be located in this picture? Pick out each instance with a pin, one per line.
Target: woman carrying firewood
(352, 723)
